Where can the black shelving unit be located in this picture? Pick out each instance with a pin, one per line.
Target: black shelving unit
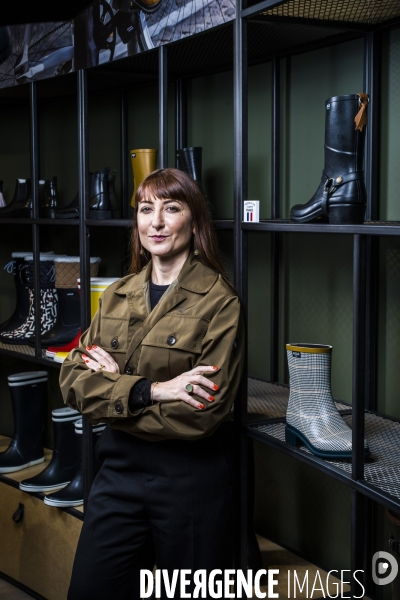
(268, 30)
(368, 482)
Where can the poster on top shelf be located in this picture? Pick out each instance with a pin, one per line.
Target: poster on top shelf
(105, 31)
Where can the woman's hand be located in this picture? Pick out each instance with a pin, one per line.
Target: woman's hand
(175, 389)
(101, 361)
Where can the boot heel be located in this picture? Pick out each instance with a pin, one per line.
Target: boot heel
(352, 214)
(291, 438)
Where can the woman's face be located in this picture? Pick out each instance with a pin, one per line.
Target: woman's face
(165, 226)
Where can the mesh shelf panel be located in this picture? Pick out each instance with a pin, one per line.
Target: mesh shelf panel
(382, 469)
(356, 11)
(21, 349)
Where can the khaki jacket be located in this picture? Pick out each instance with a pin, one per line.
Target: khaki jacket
(198, 321)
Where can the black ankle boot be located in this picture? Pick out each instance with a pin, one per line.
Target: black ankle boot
(190, 160)
(99, 202)
(49, 199)
(72, 494)
(341, 197)
(28, 398)
(21, 204)
(64, 462)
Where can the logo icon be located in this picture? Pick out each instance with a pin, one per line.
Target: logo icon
(384, 568)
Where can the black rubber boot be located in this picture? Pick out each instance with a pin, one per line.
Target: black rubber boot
(17, 266)
(21, 203)
(48, 302)
(28, 398)
(100, 203)
(49, 199)
(190, 160)
(341, 197)
(72, 494)
(71, 211)
(68, 321)
(64, 462)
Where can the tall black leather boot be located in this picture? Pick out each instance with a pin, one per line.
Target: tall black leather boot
(341, 197)
(28, 399)
(190, 160)
(68, 321)
(48, 198)
(18, 266)
(48, 302)
(64, 462)
(72, 494)
(21, 203)
(71, 211)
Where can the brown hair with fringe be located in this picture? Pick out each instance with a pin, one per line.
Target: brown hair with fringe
(178, 185)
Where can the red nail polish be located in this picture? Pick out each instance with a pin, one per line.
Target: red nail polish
(215, 368)
(201, 406)
(88, 348)
(211, 398)
(216, 387)
(94, 346)
(84, 356)
(86, 361)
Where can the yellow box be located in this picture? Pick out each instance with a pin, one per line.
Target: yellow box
(97, 287)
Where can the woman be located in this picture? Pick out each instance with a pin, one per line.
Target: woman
(161, 362)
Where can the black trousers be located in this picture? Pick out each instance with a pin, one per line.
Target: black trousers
(167, 503)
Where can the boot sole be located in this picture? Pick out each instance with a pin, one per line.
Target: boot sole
(293, 437)
(18, 341)
(62, 503)
(20, 467)
(345, 214)
(42, 488)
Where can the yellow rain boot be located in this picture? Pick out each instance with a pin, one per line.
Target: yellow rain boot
(143, 163)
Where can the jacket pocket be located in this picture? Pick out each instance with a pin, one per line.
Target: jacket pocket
(114, 334)
(172, 346)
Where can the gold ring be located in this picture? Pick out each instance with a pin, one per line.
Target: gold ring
(102, 367)
(189, 388)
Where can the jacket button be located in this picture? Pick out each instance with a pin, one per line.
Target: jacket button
(119, 408)
(114, 343)
(171, 340)
(128, 369)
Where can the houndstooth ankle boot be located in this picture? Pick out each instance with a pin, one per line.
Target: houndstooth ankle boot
(48, 302)
(312, 417)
